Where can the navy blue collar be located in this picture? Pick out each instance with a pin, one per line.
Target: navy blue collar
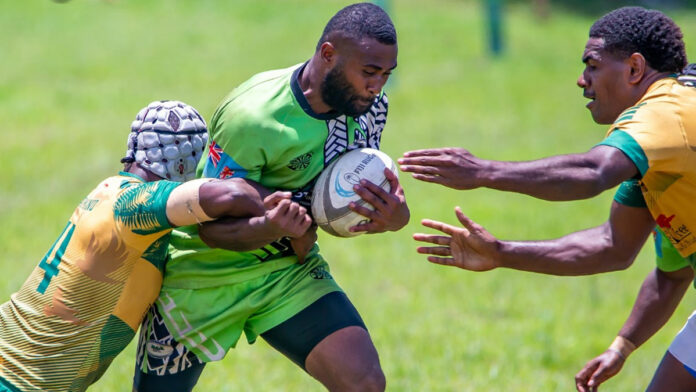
(299, 96)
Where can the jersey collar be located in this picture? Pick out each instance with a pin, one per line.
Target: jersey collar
(129, 174)
(300, 98)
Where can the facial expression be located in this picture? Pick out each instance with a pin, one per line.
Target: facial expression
(605, 81)
(360, 71)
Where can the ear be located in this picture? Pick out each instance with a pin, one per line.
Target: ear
(637, 67)
(327, 53)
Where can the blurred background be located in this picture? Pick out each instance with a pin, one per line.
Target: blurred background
(496, 77)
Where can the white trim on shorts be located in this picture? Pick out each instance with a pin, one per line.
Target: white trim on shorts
(683, 347)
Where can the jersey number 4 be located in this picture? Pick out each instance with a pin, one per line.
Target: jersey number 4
(53, 257)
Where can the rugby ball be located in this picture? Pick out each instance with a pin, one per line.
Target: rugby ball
(333, 190)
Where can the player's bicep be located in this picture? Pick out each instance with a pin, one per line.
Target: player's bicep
(234, 197)
(612, 165)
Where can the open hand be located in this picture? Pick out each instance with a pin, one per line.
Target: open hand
(452, 167)
(390, 210)
(470, 247)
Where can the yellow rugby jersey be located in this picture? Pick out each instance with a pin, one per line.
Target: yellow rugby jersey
(659, 135)
(84, 301)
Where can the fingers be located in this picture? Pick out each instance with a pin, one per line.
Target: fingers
(600, 375)
(421, 168)
(442, 260)
(374, 195)
(423, 152)
(582, 378)
(430, 178)
(435, 250)
(274, 198)
(370, 227)
(433, 239)
(443, 227)
(393, 181)
(290, 218)
(464, 220)
(362, 210)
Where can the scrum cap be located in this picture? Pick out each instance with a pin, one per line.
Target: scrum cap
(168, 139)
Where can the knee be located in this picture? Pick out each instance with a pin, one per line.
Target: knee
(371, 380)
(375, 381)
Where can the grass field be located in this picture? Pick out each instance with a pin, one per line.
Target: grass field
(72, 77)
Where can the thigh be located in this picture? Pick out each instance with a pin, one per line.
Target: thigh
(298, 336)
(330, 341)
(162, 363)
(672, 375)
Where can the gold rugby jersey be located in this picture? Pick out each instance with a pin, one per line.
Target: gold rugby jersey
(659, 135)
(84, 301)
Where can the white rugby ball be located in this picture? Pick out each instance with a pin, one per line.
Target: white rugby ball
(333, 190)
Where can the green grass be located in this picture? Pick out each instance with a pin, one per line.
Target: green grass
(72, 77)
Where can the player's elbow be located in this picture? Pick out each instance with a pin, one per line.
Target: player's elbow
(620, 264)
(619, 259)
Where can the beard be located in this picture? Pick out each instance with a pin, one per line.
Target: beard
(338, 93)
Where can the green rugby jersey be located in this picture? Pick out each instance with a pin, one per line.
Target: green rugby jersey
(265, 131)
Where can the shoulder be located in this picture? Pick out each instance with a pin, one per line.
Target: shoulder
(664, 107)
(257, 105)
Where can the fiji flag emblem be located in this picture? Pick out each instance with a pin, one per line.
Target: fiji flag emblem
(221, 165)
(214, 153)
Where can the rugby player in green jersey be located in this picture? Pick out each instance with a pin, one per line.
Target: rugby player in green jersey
(280, 129)
(86, 298)
(632, 59)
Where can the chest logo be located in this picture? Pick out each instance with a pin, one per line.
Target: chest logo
(301, 162)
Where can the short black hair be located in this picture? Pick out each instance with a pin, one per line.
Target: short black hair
(359, 21)
(651, 33)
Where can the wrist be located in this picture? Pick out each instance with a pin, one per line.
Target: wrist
(502, 249)
(622, 346)
(264, 227)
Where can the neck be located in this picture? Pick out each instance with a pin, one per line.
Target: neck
(651, 76)
(145, 174)
(310, 82)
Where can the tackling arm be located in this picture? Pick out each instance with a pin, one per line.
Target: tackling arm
(248, 217)
(252, 217)
(562, 177)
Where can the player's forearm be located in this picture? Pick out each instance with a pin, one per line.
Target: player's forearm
(564, 177)
(583, 253)
(657, 299)
(237, 234)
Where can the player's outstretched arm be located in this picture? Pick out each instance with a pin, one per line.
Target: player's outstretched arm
(562, 177)
(611, 246)
(390, 212)
(659, 296)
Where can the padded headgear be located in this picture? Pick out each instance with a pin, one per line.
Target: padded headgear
(168, 139)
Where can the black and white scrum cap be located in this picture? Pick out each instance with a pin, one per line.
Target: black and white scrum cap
(168, 139)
